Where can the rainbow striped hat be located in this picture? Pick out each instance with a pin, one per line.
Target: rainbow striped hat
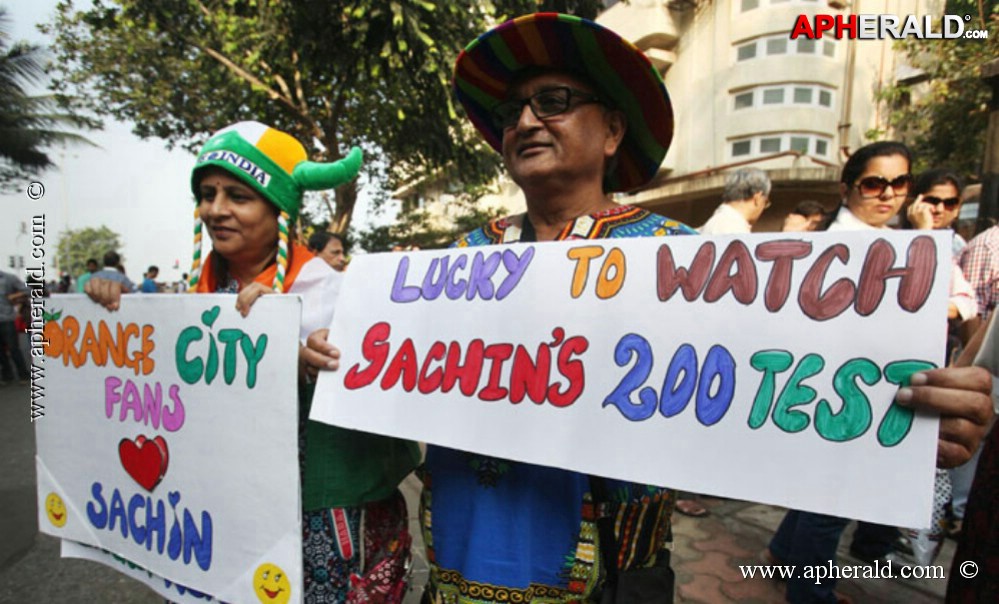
(488, 66)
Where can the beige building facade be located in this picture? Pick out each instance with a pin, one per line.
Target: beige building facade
(745, 94)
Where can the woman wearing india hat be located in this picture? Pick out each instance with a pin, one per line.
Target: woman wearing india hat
(249, 181)
(577, 113)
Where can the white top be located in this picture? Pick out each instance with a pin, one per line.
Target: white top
(319, 286)
(726, 219)
(847, 221)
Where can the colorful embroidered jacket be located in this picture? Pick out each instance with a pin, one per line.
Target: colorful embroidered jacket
(505, 531)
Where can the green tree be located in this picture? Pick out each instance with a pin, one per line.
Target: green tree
(28, 123)
(77, 246)
(334, 73)
(944, 114)
(415, 227)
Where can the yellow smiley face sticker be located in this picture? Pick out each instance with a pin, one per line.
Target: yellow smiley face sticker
(55, 509)
(271, 585)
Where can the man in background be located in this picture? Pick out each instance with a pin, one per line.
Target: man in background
(746, 195)
(806, 216)
(331, 247)
(980, 263)
(112, 272)
(149, 283)
(82, 279)
(12, 291)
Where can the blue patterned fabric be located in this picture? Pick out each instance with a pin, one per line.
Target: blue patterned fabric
(504, 531)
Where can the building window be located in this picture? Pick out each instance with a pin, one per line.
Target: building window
(769, 144)
(747, 51)
(751, 4)
(773, 96)
(781, 44)
(776, 46)
(741, 148)
(744, 100)
(799, 143)
(814, 95)
(802, 95)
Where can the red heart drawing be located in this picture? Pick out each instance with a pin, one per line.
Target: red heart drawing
(145, 460)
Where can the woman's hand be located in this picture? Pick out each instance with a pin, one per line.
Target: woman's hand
(317, 354)
(105, 292)
(248, 295)
(963, 398)
(920, 214)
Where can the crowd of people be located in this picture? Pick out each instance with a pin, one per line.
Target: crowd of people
(113, 269)
(571, 133)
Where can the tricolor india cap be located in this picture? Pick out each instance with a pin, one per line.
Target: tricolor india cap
(273, 163)
(488, 66)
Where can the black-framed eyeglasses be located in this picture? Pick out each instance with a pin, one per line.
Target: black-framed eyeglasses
(544, 104)
(874, 186)
(950, 202)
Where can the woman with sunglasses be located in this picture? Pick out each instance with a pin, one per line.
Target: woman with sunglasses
(248, 184)
(874, 184)
(937, 203)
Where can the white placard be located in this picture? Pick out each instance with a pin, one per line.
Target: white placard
(173, 592)
(758, 367)
(170, 438)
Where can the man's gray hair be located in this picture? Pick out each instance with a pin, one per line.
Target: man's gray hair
(744, 183)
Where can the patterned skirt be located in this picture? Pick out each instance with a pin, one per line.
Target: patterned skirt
(356, 554)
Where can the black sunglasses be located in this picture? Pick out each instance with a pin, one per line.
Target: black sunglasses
(950, 203)
(544, 104)
(874, 186)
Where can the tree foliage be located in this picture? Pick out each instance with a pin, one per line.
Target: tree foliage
(945, 118)
(76, 246)
(416, 228)
(334, 73)
(28, 123)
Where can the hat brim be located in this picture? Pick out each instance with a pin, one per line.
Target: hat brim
(488, 66)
